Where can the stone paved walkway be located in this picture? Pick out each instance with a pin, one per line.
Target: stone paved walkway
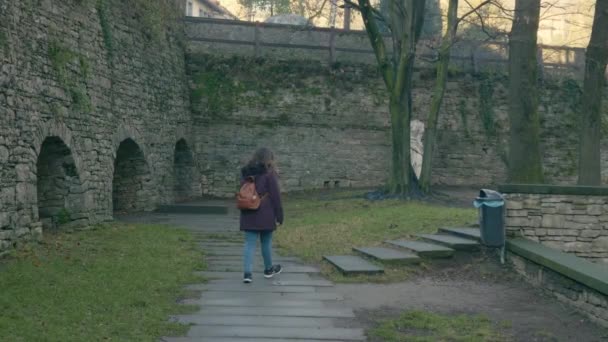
(297, 305)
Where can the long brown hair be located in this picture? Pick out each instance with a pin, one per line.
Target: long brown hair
(263, 156)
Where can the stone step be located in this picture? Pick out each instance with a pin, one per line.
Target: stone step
(240, 287)
(274, 311)
(451, 241)
(254, 302)
(388, 255)
(350, 264)
(257, 276)
(268, 321)
(238, 267)
(239, 339)
(213, 258)
(423, 249)
(193, 209)
(276, 332)
(463, 232)
(271, 296)
(275, 283)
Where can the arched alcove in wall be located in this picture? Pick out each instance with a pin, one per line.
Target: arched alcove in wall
(184, 171)
(131, 184)
(59, 188)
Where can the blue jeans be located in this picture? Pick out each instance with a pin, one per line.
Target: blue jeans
(251, 238)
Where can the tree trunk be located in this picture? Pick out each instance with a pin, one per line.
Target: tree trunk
(399, 176)
(589, 171)
(525, 165)
(430, 132)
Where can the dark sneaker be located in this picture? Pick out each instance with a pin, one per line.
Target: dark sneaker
(247, 278)
(276, 269)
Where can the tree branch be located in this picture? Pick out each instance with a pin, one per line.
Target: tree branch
(473, 10)
(377, 41)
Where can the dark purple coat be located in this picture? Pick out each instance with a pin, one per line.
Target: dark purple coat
(270, 212)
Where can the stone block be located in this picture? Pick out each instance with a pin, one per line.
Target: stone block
(595, 209)
(601, 243)
(20, 232)
(585, 219)
(553, 221)
(535, 221)
(596, 299)
(513, 205)
(518, 222)
(517, 213)
(588, 233)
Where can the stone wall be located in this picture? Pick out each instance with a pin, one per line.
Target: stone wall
(331, 124)
(77, 79)
(570, 219)
(587, 301)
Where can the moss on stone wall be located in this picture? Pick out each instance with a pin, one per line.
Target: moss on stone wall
(72, 81)
(219, 84)
(106, 29)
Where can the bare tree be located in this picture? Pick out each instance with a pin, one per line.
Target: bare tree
(589, 172)
(525, 165)
(449, 38)
(404, 22)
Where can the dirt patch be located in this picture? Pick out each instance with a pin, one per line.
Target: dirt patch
(476, 284)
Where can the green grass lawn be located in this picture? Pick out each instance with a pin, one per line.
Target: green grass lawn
(314, 228)
(419, 326)
(118, 283)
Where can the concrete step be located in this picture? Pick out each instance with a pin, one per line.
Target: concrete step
(350, 265)
(463, 232)
(388, 255)
(265, 332)
(423, 249)
(451, 241)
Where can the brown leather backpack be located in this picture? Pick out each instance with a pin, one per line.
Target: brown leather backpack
(248, 198)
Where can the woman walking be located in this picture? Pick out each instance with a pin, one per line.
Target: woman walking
(261, 222)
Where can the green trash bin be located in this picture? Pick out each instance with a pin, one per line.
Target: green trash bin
(491, 206)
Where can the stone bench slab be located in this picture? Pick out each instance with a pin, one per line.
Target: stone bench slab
(590, 274)
(350, 264)
(423, 249)
(453, 242)
(388, 255)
